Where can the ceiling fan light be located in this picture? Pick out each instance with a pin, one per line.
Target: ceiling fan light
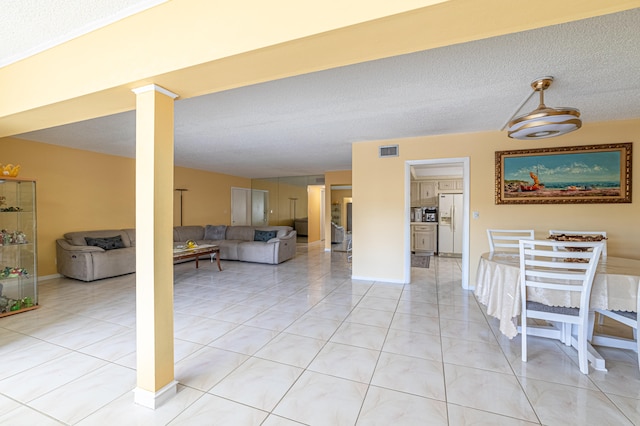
(544, 122)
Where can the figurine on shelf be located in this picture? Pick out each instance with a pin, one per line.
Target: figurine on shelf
(5, 237)
(10, 209)
(9, 272)
(5, 304)
(20, 237)
(15, 237)
(10, 170)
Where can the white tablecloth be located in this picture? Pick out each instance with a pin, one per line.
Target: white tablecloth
(615, 287)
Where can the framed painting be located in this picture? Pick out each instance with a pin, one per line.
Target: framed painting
(566, 175)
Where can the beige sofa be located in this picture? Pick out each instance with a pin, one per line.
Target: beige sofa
(239, 242)
(337, 233)
(76, 258)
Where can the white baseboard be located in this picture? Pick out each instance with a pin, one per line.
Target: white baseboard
(49, 277)
(380, 280)
(154, 400)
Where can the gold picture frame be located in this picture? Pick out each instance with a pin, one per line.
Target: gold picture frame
(565, 175)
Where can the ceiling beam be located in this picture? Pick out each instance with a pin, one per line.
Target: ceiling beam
(178, 45)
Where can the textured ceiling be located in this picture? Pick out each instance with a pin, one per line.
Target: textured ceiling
(45, 23)
(305, 125)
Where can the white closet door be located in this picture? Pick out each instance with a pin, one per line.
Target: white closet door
(240, 206)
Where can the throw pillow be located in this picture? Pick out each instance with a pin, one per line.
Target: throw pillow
(106, 243)
(264, 235)
(216, 232)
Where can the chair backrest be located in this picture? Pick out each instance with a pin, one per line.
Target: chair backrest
(603, 233)
(507, 239)
(556, 265)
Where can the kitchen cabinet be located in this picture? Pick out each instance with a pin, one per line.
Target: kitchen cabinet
(450, 184)
(18, 278)
(423, 238)
(423, 193)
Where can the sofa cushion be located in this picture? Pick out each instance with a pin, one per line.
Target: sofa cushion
(216, 232)
(78, 238)
(240, 232)
(107, 243)
(131, 233)
(259, 235)
(283, 230)
(185, 233)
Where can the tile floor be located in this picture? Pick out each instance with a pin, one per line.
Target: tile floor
(300, 343)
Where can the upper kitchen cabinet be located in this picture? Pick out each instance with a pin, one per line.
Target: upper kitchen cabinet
(450, 185)
(423, 193)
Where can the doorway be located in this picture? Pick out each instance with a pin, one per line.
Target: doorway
(240, 206)
(439, 163)
(259, 207)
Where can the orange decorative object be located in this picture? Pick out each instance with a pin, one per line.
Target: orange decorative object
(10, 170)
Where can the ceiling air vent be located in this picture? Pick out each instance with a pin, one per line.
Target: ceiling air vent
(388, 151)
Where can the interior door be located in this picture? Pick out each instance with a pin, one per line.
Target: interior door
(240, 206)
(259, 207)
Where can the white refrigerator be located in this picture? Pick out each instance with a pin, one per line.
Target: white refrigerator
(450, 224)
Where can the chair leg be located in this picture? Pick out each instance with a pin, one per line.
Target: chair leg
(591, 322)
(523, 336)
(582, 350)
(566, 333)
(635, 334)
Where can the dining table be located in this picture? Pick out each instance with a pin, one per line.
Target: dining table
(615, 287)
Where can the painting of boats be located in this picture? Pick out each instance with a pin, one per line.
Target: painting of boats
(591, 174)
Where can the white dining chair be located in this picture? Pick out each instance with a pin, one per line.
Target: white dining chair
(603, 233)
(542, 267)
(507, 239)
(627, 318)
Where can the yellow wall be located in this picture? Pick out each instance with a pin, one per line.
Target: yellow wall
(208, 199)
(81, 190)
(380, 221)
(315, 200)
(281, 191)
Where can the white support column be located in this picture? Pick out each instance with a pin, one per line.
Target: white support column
(154, 243)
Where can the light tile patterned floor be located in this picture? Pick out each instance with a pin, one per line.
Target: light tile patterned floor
(300, 343)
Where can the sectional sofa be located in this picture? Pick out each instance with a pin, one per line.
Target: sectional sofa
(94, 255)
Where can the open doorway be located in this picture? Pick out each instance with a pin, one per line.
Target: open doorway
(341, 217)
(431, 194)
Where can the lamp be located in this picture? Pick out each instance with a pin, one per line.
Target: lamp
(181, 191)
(544, 122)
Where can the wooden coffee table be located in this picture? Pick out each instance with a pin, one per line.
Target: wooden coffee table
(196, 252)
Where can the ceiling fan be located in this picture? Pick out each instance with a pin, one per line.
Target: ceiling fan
(544, 121)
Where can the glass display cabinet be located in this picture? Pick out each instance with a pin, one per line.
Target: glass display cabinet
(18, 277)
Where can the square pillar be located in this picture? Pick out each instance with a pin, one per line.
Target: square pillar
(154, 246)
